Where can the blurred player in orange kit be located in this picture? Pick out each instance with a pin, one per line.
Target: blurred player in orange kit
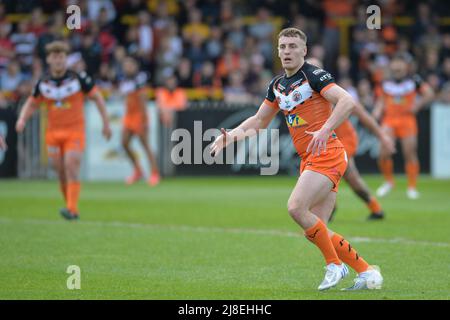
(135, 122)
(62, 92)
(398, 105)
(349, 138)
(305, 95)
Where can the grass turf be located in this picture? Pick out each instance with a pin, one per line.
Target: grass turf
(213, 238)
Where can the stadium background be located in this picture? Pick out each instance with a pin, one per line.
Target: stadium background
(212, 237)
(222, 55)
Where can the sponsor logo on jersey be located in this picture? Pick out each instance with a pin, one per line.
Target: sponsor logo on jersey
(293, 121)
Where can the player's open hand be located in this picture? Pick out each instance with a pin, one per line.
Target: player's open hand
(107, 132)
(318, 143)
(2, 143)
(20, 125)
(387, 143)
(221, 142)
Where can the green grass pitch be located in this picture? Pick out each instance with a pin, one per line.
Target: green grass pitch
(213, 238)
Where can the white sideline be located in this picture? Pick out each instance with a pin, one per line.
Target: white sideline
(264, 232)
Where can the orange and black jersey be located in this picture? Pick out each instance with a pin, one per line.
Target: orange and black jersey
(300, 99)
(63, 99)
(132, 88)
(399, 96)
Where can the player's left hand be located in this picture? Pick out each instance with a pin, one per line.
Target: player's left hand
(319, 140)
(388, 143)
(107, 132)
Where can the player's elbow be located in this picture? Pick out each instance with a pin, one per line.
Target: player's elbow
(349, 103)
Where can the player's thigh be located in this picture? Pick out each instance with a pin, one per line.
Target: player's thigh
(56, 159)
(127, 134)
(352, 175)
(324, 208)
(312, 188)
(72, 164)
(390, 131)
(143, 136)
(409, 146)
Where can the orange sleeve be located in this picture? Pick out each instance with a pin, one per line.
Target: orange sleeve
(325, 89)
(272, 104)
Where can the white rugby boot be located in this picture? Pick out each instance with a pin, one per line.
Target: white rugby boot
(412, 193)
(367, 280)
(334, 274)
(384, 189)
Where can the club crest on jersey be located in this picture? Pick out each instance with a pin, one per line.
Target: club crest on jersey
(293, 120)
(296, 96)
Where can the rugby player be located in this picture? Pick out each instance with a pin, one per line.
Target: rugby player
(349, 138)
(398, 105)
(61, 93)
(135, 121)
(305, 94)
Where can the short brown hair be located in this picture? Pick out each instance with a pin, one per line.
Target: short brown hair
(57, 46)
(292, 32)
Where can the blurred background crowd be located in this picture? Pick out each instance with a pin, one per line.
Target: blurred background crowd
(224, 46)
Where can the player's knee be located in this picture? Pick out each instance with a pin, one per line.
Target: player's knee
(296, 209)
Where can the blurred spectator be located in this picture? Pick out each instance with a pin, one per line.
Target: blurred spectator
(37, 22)
(105, 79)
(145, 36)
(162, 19)
(196, 52)
(235, 91)
(205, 78)
(24, 44)
(91, 52)
(11, 77)
(263, 31)
(37, 69)
(343, 67)
(169, 99)
(184, 73)
(333, 10)
(119, 56)
(195, 26)
(214, 43)
(228, 62)
(166, 61)
(95, 7)
(6, 45)
(365, 94)
(236, 34)
(226, 44)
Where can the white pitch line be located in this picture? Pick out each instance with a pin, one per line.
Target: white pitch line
(264, 232)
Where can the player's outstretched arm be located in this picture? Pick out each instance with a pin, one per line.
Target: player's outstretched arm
(248, 128)
(101, 106)
(27, 111)
(344, 105)
(370, 123)
(378, 108)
